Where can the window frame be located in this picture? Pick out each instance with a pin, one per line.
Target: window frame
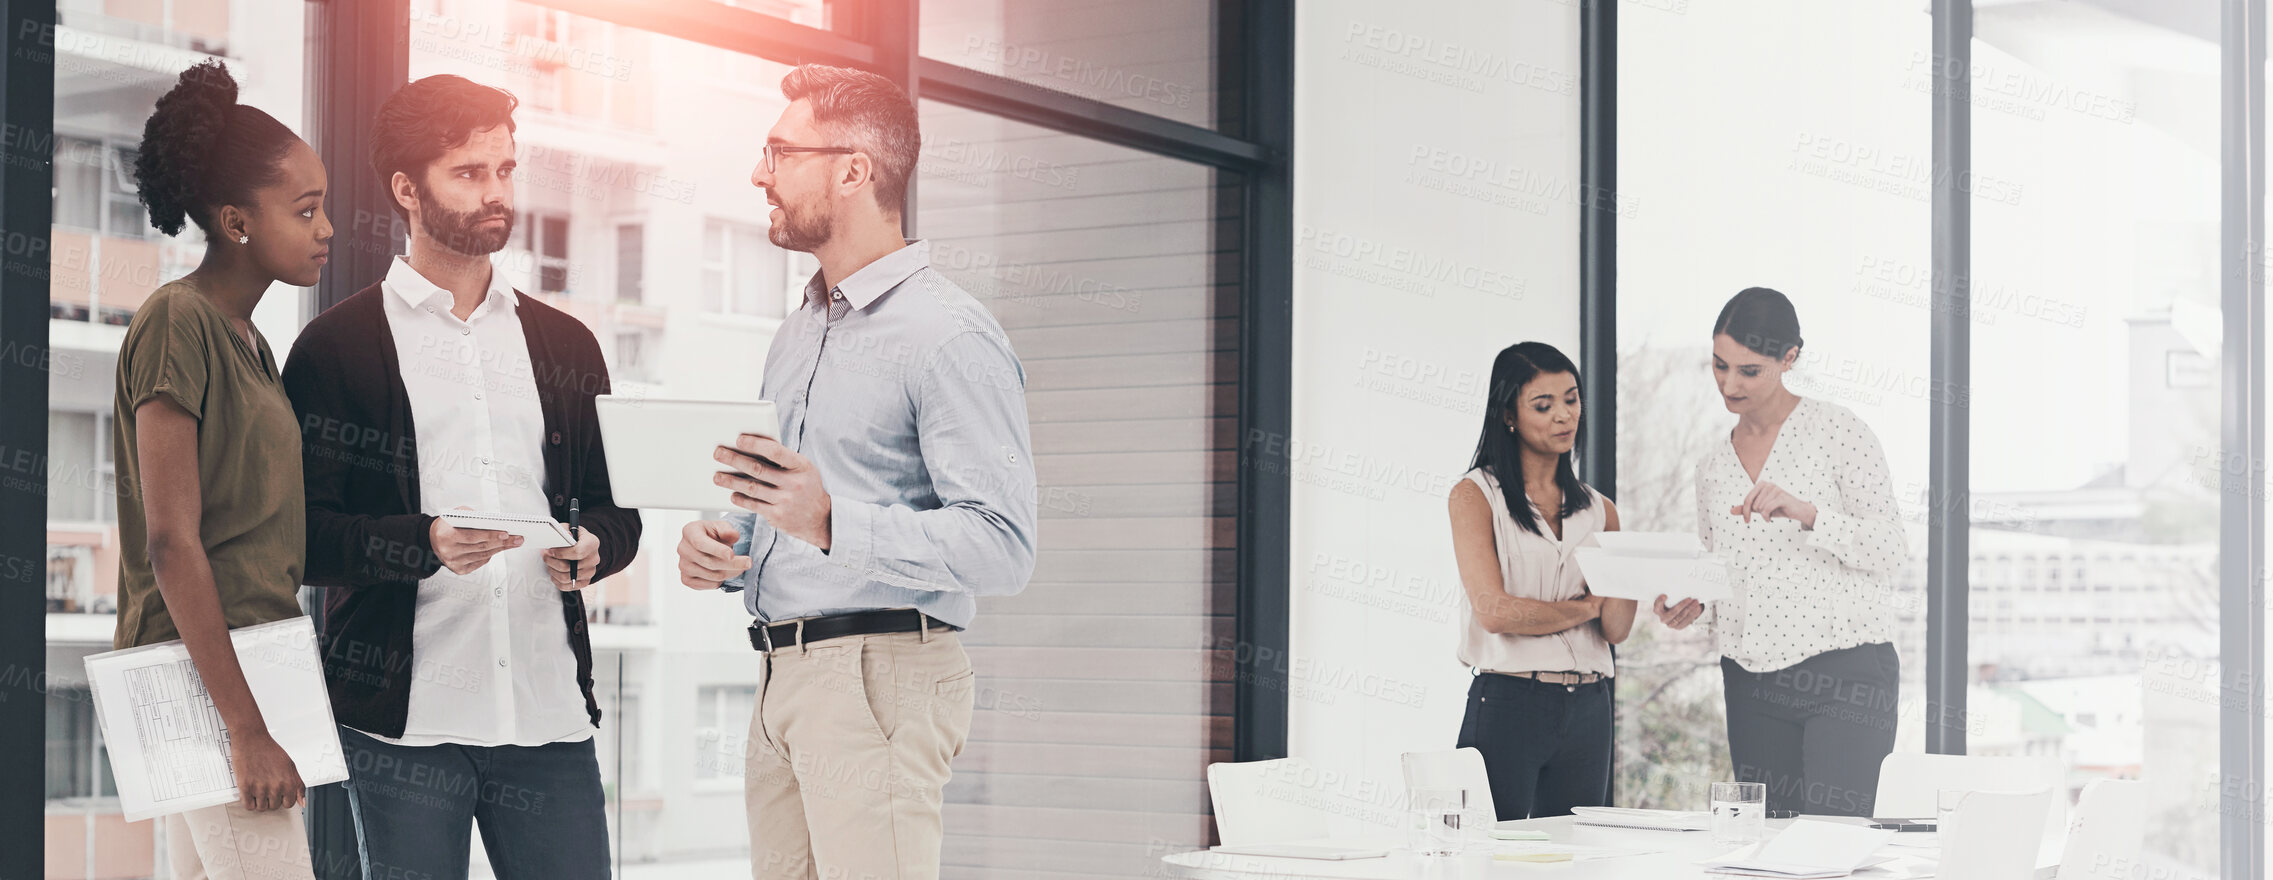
(721, 734)
(358, 55)
(2242, 514)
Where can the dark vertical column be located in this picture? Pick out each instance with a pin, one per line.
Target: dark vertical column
(1266, 389)
(1598, 241)
(890, 26)
(1598, 261)
(358, 54)
(2241, 436)
(27, 115)
(1949, 472)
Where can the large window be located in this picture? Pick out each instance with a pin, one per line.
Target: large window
(2095, 316)
(1105, 688)
(1103, 691)
(2092, 302)
(634, 148)
(1162, 57)
(113, 61)
(1820, 190)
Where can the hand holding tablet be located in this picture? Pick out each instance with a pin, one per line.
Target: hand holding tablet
(662, 453)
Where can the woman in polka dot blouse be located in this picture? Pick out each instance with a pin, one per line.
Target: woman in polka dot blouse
(1798, 502)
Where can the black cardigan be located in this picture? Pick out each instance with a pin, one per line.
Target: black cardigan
(367, 540)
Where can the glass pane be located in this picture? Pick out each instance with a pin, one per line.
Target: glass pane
(71, 467)
(79, 183)
(1163, 57)
(627, 162)
(631, 261)
(1104, 689)
(113, 60)
(1820, 194)
(554, 237)
(757, 267)
(810, 13)
(2095, 297)
(713, 290)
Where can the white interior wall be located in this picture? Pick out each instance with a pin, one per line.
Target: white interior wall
(1437, 201)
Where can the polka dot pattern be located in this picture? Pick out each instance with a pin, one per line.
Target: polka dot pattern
(1800, 592)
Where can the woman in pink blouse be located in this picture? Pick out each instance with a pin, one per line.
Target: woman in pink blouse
(1536, 640)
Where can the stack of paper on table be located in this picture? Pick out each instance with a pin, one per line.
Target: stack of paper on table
(168, 749)
(1655, 820)
(1644, 565)
(1517, 851)
(1807, 850)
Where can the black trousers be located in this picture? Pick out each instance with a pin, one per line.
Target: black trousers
(1546, 746)
(1815, 731)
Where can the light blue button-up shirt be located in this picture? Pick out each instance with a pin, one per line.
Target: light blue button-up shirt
(904, 392)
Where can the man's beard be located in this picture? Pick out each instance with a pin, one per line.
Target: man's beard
(463, 232)
(800, 231)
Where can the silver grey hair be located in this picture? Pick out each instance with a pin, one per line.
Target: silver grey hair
(871, 113)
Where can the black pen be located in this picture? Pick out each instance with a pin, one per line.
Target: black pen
(573, 535)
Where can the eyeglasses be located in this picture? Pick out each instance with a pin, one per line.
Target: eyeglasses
(773, 153)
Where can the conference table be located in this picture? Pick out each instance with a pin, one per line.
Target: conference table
(1665, 855)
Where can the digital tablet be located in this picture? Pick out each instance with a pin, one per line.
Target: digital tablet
(660, 452)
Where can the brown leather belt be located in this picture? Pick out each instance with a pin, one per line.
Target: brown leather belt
(793, 633)
(1567, 679)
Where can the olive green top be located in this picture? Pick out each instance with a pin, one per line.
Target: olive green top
(252, 521)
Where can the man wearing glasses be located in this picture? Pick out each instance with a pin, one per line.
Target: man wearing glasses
(900, 491)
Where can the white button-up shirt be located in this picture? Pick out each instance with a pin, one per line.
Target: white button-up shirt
(490, 659)
(1799, 592)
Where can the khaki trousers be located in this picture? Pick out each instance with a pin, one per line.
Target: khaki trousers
(848, 752)
(229, 842)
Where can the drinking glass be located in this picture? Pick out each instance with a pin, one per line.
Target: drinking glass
(1440, 821)
(1740, 812)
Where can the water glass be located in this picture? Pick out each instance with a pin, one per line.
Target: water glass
(1740, 812)
(1440, 821)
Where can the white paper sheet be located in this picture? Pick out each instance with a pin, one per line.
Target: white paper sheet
(169, 751)
(1577, 852)
(1808, 848)
(1644, 565)
(1632, 817)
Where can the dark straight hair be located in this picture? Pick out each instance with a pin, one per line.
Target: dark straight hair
(1761, 320)
(1500, 451)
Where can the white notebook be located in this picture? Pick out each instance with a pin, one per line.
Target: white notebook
(541, 530)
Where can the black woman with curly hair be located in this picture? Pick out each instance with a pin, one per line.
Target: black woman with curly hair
(210, 512)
